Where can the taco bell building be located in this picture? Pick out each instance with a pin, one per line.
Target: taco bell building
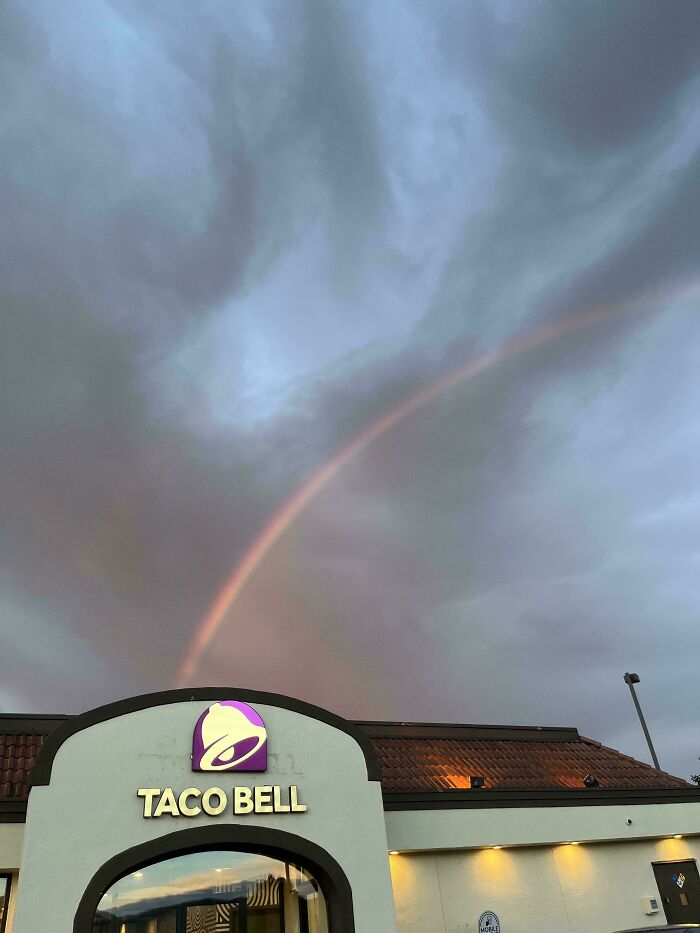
(232, 811)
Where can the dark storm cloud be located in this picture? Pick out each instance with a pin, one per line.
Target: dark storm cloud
(561, 235)
(592, 77)
(103, 265)
(335, 98)
(236, 236)
(603, 75)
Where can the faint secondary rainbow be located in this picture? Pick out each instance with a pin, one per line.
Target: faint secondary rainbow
(282, 520)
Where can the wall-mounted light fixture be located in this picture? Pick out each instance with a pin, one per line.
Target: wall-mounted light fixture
(476, 781)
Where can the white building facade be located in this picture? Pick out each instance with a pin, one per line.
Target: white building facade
(230, 811)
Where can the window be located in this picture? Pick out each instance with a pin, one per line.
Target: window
(5, 883)
(214, 892)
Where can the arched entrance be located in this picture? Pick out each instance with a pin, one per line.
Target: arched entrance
(222, 879)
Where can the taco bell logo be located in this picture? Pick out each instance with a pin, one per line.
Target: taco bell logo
(229, 736)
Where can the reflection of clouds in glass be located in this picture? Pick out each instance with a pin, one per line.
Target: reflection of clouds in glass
(195, 874)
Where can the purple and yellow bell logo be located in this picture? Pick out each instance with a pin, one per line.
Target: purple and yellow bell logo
(229, 736)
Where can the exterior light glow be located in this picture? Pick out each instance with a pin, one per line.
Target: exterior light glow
(218, 869)
(496, 847)
(574, 843)
(678, 836)
(137, 874)
(394, 852)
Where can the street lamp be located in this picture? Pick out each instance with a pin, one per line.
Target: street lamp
(631, 680)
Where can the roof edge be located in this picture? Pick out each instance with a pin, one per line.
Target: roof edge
(30, 723)
(446, 730)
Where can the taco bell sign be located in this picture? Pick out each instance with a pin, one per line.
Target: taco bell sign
(229, 736)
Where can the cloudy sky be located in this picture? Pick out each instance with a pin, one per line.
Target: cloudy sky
(236, 234)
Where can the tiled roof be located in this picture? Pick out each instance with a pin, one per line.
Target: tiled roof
(443, 764)
(17, 756)
(422, 758)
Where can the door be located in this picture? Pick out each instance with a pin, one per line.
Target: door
(679, 887)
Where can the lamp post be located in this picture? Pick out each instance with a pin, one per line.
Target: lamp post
(631, 680)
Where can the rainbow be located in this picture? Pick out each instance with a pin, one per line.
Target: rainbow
(281, 521)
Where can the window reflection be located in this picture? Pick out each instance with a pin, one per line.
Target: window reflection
(214, 892)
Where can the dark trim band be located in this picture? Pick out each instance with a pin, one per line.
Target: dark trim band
(442, 730)
(29, 724)
(13, 809)
(483, 799)
(41, 772)
(272, 842)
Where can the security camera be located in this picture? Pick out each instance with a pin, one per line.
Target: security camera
(628, 821)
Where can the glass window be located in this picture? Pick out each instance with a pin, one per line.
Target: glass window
(5, 881)
(214, 892)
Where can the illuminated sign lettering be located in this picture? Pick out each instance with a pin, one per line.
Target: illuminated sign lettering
(265, 798)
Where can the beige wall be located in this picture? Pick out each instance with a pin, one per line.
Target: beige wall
(589, 888)
(460, 829)
(11, 838)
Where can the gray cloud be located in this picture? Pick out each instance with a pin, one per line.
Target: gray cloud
(590, 79)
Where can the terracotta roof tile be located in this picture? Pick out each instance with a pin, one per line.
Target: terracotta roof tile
(17, 756)
(438, 764)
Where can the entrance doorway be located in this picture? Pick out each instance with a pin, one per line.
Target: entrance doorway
(679, 887)
(216, 891)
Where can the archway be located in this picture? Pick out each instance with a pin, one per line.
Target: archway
(298, 864)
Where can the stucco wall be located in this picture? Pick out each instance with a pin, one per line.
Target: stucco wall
(90, 812)
(590, 888)
(446, 829)
(11, 838)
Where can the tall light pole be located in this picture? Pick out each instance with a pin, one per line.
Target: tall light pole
(631, 680)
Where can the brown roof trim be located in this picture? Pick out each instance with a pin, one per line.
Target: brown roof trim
(494, 798)
(30, 723)
(445, 730)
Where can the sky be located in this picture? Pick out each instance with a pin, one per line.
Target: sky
(234, 235)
